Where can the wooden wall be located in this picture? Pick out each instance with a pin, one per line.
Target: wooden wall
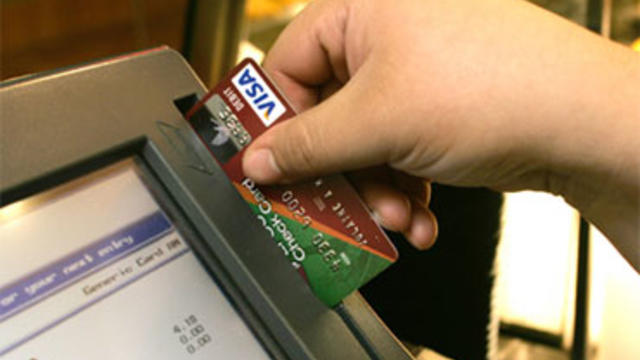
(39, 35)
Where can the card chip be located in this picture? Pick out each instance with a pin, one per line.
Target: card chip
(223, 116)
(220, 129)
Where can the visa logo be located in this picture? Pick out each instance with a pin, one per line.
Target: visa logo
(258, 95)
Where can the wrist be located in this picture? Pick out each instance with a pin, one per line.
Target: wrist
(596, 163)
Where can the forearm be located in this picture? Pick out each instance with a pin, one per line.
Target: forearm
(576, 103)
(491, 93)
(596, 163)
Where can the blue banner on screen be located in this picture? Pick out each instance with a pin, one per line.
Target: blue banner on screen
(42, 283)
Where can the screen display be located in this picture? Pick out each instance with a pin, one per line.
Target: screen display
(94, 269)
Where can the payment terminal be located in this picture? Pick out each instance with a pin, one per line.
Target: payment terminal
(121, 237)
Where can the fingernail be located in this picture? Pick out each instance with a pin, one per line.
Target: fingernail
(423, 231)
(392, 214)
(260, 166)
(377, 218)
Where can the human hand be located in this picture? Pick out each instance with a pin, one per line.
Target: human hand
(470, 93)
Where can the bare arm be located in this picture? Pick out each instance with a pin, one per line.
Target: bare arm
(471, 93)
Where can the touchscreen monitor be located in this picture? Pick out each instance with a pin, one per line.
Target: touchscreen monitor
(95, 269)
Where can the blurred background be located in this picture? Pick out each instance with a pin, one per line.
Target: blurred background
(554, 287)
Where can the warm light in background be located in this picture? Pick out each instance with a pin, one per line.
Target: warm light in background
(274, 8)
(636, 45)
(537, 262)
(615, 302)
(248, 50)
(537, 271)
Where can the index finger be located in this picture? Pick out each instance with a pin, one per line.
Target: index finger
(310, 53)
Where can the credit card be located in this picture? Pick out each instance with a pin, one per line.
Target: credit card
(322, 226)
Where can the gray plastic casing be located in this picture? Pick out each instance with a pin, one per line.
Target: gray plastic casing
(61, 125)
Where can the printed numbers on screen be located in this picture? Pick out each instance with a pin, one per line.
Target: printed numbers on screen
(191, 334)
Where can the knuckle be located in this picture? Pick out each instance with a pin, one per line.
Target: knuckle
(298, 153)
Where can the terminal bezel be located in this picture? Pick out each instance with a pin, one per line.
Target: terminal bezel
(63, 125)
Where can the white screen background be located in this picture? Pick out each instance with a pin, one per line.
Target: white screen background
(141, 319)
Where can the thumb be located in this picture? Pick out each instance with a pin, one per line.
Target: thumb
(340, 134)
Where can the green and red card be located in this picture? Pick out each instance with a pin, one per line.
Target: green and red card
(322, 226)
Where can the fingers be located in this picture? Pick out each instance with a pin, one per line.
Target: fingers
(345, 132)
(309, 64)
(417, 188)
(342, 133)
(391, 207)
(310, 52)
(398, 206)
(423, 231)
